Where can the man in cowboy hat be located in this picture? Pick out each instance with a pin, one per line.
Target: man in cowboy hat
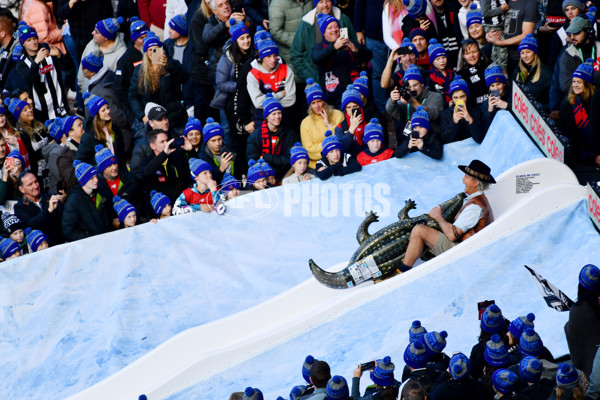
(474, 215)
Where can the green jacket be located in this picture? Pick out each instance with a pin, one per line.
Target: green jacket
(307, 36)
(284, 18)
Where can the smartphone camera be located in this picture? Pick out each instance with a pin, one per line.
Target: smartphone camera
(367, 366)
(177, 143)
(415, 135)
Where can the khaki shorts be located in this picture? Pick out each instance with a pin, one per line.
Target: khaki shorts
(443, 244)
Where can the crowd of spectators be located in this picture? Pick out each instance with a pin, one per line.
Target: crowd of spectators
(111, 108)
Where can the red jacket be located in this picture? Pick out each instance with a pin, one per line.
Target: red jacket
(365, 158)
(152, 12)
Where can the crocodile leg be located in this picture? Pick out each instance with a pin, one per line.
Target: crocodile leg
(362, 233)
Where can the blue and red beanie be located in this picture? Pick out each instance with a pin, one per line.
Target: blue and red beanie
(237, 29)
(197, 166)
(92, 62)
(193, 124)
(15, 106)
(266, 168)
(109, 27)
(373, 130)
(84, 172)
(104, 157)
(122, 207)
(25, 32)
(179, 24)
(255, 172)
(158, 201)
(229, 182)
(313, 91)
(94, 104)
(331, 142)
(211, 129)
(297, 152)
(270, 104)
(494, 74)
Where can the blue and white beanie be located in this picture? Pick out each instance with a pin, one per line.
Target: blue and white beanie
(15, 106)
(373, 130)
(270, 104)
(494, 74)
(109, 27)
(420, 118)
(313, 91)
(435, 50)
(383, 373)
(104, 157)
(495, 353)
(324, 20)
(297, 152)
(137, 28)
(337, 388)
(567, 376)
(362, 84)
(530, 369)
(492, 320)
(530, 343)
(503, 380)
(517, 326)
(94, 104)
(193, 124)
(151, 40)
(407, 43)
(351, 95)
(474, 15)
(84, 172)
(229, 183)
(413, 73)
(92, 62)
(122, 207)
(35, 238)
(529, 43)
(197, 166)
(415, 7)
(459, 366)
(416, 331)
(17, 52)
(589, 277)
(255, 172)
(306, 365)
(68, 123)
(415, 355)
(25, 32)
(237, 29)
(55, 128)
(260, 35)
(266, 48)
(212, 129)
(458, 83)
(297, 392)
(252, 394)
(158, 201)
(331, 142)
(435, 342)
(8, 247)
(585, 71)
(179, 24)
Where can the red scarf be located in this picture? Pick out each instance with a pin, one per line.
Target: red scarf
(269, 145)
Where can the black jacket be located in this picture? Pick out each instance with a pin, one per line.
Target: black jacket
(347, 165)
(279, 162)
(258, 10)
(199, 49)
(87, 148)
(48, 222)
(83, 17)
(123, 73)
(432, 146)
(128, 190)
(452, 132)
(207, 156)
(82, 218)
(448, 388)
(214, 36)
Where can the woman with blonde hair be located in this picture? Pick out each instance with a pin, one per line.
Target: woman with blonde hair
(532, 73)
(393, 13)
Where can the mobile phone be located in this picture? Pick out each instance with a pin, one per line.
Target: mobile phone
(156, 52)
(355, 112)
(177, 143)
(237, 6)
(460, 104)
(482, 305)
(495, 93)
(415, 135)
(9, 163)
(344, 33)
(44, 46)
(367, 366)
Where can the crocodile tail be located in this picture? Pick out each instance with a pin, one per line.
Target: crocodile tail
(334, 280)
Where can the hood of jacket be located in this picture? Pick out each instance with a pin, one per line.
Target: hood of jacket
(311, 16)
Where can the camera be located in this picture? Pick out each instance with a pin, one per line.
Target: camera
(367, 366)
(405, 93)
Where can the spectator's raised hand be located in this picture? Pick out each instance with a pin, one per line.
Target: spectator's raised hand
(424, 23)
(357, 373)
(226, 159)
(340, 42)
(41, 54)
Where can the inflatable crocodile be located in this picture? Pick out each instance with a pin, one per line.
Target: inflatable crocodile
(379, 254)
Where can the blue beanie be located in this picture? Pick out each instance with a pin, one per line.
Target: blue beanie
(420, 118)
(35, 238)
(530, 343)
(331, 142)
(517, 326)
(266, 168)
(179, 24)
(416, 331)
(137, 28)
(193, 124)
(211, 129)
(530, 369)
(474, 16)
(407, 43)
(585, 71)
(492, 320)
(104, 157)
(415, 7)
(237, 29)
(383, 373)
(270, 104)
(109, 27)
(529, 43)
(458, 83)
(151, 40)
(415, 355)
(255, 172)
(252, 394)
(324, 20)
(94, 104)
(413, 73)
(503, 380)
(84, 172)
(261, 35)
(351, 95)
(567, 376)
(25, 32)
(17, 52)
(229, 183)
(297, 392)
(92, 62)
(197, 166)
(122, 207)
(337, 388)
(494, 74)
(68, 123)
(297, 152)
(362, 84)
(575, 3)
(418, 32)
(315, 2)
(306, 365)
(435, 342)
(18, 156)
(8, 247)
(158, 201)
(459, 366)
(495, 352)
(313, 91)
(589, 277)
(15, 106)
(55, 128)
(435, 50)
(266, 48)
(373, 130)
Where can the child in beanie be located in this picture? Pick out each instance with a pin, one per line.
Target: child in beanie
(203, 194)
(15, 230)
(178, 37)
(299, 161)
(440, 75)
(257, 175)
(160, 204)
(334, 161)
(421, 138)
(125, 211)
(375, 151)
(37, 240)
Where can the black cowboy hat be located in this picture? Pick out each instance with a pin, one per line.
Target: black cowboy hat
(478, 170)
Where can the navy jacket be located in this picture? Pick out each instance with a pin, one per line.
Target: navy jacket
(451, 132)
(82, 218)
(367, 18)
(48, 222)
(279, 162)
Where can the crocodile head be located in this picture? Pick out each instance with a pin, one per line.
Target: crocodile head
(452, 206)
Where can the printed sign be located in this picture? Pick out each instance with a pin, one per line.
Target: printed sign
(593, 206)
(535, 126)
(364, 270)
(525, 182)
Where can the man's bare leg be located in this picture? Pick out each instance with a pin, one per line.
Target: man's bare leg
(420, 236)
